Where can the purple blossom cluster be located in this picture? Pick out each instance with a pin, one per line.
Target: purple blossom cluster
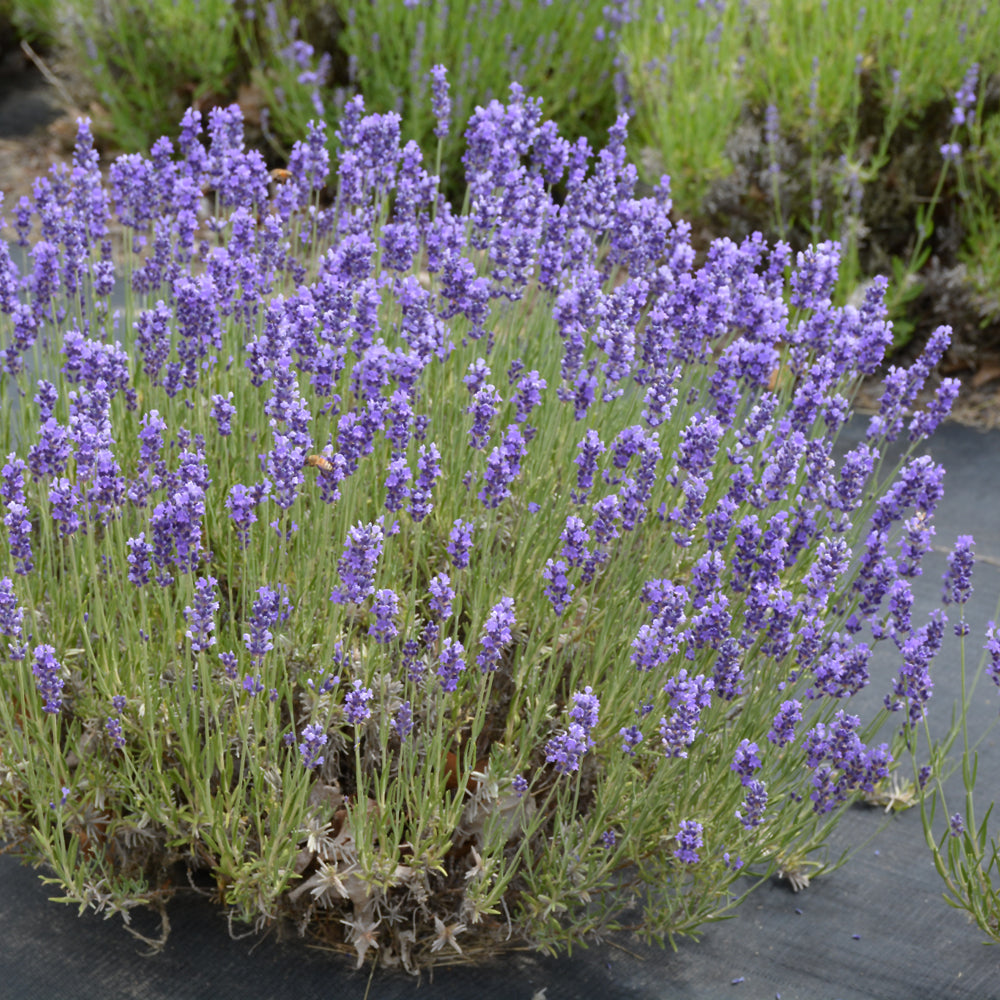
(496, 634)
(270, 607)
(201, 616)
(451, 664)
(12, 620)
(566, 749)
(840, 761)
(357, 566)
(311, 747)
(357, 707)
(48, 677)
(689, 840)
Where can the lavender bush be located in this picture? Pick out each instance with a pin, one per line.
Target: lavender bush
(439, 581)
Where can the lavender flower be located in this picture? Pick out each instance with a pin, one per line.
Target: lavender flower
(357, 566)
(385, 608)
(689, 839)
(782, 730)
(566, 749)
(113, 726)
(529, 394)
(745, 761)
(442, 595)
(356, 707)
(140, 564)
(269, 608)
(200, 617)
(965, 98)
(396, 489)
(18, 525)
(451, 664)
(958, 578)
(310, 749)
(460, 543)
(503, 466)
(688, 696)
(403, 722)
(956, 825)
(585, 708)
(440, 101)
(575, 538)
(429, 468)
(559, 587)
(483, 408)
(754, 804)
(253, 685)
(992, 648)
(496, 634)
(223, 412)
(589, 449)
(48, 679)
(11, 618)
(631, 738)
(840, 762)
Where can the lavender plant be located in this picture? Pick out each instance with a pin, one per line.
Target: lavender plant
(965, 854)
(434, 580)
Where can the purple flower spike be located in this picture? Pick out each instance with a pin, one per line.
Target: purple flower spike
(585, 708)
(269, 608)
(460, 543)
(451, 663)
(958, 578)
(114, 729)
(559, 589)
(688, 696)
(429, 469)
(496, 634)
(631, 738)
(992, 647)
(385, 607)
(440, 101)
(11, 614)
(753, 805)
(18, 525)
(502, 467)
(689, 839)
(223, 412)
(356, 706)
(965, 99)
(47, 671)
(313, 741)
(782, 730)
(357, 566)
(566, 749)
(200, 617)
(483, 408)
(745, 761)
(442, 595)
(403, 722)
